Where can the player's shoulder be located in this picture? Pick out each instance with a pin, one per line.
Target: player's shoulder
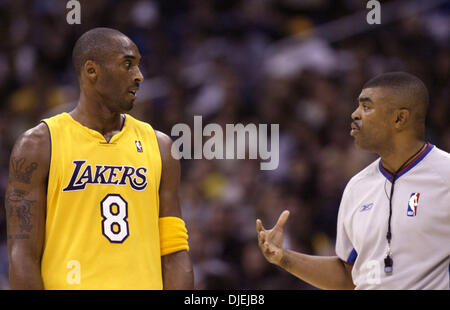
(165, 145)
(160, 136)
(35, 136)
(133, 121)
(60, 119)
(164, 140)
(33, 145)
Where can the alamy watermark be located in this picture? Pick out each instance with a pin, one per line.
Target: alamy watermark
(374, 15)
(74, 15)
(237, 141)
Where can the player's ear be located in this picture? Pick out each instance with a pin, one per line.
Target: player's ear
(401, 117)
(90, 70)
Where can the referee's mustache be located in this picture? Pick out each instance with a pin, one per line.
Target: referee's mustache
(355, 125)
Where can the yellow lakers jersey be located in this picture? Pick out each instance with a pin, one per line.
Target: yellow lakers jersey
(102, 208)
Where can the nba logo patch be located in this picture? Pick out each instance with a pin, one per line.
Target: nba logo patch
(413, 203)
(139, 146)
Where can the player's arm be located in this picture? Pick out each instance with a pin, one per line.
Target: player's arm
(177, 266)
(25, 203)
(325, 272)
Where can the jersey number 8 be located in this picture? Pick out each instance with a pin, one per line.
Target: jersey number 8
(114, 210)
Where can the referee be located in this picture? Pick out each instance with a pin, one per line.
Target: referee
(393, 228)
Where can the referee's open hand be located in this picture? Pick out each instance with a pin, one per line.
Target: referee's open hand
(271, 241)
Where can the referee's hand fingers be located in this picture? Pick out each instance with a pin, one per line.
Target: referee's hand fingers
(259, 226)
(261, 238)
(282, 219)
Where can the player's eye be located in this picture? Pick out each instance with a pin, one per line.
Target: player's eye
(128, 64)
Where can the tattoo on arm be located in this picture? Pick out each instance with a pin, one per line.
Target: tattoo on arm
(20, 171)
(17, 205)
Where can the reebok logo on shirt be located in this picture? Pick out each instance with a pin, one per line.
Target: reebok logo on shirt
(366, 207)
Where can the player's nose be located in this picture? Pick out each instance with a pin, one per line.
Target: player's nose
(139, 78)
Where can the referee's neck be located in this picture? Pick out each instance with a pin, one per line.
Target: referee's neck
(402, 154)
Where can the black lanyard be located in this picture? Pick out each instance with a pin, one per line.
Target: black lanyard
(388, 262)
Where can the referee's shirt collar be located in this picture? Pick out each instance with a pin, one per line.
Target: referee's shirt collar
(390, 176)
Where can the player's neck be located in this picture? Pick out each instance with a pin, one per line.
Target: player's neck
(96, 116)
(401, 154)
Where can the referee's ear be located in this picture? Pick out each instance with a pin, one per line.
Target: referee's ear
(401, 118)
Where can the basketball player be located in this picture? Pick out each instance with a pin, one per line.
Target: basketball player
(393, 228)
(92, 197)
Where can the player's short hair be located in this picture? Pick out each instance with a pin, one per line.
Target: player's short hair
(407, 89)
(93, 45)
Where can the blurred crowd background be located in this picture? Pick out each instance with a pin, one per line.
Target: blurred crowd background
(299, 64)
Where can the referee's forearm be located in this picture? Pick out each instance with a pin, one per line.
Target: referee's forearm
(325, 272)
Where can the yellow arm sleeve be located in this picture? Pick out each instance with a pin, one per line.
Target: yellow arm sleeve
(172, 235)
